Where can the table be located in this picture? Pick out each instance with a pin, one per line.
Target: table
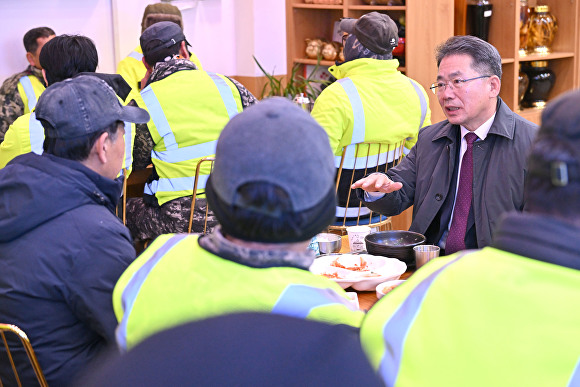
(366, 299)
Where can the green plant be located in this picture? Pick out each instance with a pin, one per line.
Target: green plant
(295, 84)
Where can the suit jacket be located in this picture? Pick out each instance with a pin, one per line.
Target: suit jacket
(498, 177)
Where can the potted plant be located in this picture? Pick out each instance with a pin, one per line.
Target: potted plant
(294, 86)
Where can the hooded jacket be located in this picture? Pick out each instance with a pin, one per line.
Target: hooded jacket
(62, 250)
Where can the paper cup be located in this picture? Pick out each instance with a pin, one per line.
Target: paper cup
(356, 237)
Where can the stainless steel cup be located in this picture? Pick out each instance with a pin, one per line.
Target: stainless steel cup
(425, 253)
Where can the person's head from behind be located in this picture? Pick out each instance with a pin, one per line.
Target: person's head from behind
(373, 35)
(273, 178)
(33, 41)
(67, 55)
(83, 121)
(159, 12)
(161, 42)
(553, 182)
(468, 80)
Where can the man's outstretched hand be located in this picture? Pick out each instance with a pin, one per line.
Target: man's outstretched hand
(377, 182)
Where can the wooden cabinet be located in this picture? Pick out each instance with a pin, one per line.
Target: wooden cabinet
(504, 35)
(427, 23)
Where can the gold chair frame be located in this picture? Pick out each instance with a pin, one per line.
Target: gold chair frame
(397, 149)
(209, 159)
(13, 329)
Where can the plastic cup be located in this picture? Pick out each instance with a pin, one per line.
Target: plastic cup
(425, 253)
(356, 237)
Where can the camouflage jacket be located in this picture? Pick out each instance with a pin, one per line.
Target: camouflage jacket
(11, 105)
(143, 141)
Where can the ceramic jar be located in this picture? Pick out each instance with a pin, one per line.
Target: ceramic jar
(542, 80)
(523, 83)
(542, 28)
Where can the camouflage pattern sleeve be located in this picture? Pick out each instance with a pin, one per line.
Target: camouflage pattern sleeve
(142, 147)
(11, 105)
(248, 98)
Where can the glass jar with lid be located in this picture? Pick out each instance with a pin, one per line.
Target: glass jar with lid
(542, 28)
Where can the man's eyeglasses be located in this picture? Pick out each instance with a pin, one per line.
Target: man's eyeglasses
(344, 39)
(455, 84)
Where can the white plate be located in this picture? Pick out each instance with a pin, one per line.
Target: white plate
(378, 269)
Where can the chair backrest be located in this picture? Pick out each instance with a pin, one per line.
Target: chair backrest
(10, 332)
(205, 161)
(357, 161)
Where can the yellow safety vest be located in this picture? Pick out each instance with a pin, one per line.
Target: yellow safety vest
(371, 102)
(175, 281)
(133, 70)
(481, 318)
(29, 88)
(26, 134)
(188, 111)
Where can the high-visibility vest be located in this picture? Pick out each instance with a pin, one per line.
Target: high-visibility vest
(480, 318)
(358, 161)
(29, 88)
(175, 281)
(26, 134)
(188, 111)
(133, 70)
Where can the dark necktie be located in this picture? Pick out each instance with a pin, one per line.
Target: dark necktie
(456, 237)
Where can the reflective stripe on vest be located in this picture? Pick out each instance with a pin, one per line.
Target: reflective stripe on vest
(298, 300)
(136, 55)
(351, 161)
(226, 94)
(175, 184)
(173, 153)
(422, 101)
(128, 145)
(29, 91)
(134, 286)
(400, 323)
(36, 134)
(575, 378)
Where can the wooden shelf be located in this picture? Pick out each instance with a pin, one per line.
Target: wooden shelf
(550, 56)
(317, 6)
(370, 8)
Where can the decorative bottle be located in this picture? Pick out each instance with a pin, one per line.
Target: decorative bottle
(542, 30)
(525, 12)
(478, 17)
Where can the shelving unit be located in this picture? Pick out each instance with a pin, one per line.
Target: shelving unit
(504, 35)
(427, 23)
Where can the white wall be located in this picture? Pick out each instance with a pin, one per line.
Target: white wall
(223, 33)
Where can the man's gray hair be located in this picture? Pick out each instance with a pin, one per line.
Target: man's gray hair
(486, 58)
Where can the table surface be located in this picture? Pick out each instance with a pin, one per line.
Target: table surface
(366, 299)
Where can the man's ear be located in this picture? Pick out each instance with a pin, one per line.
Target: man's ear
(495, 86)
(183, 50)
(30, 59)
(149, 68)
(44, 76)
(101, 147)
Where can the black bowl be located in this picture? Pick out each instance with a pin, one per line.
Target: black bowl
(395, 244)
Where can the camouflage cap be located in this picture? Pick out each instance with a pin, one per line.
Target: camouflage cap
(155, 13)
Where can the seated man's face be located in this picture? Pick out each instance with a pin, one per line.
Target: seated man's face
(33, 56)
(468, 103)
(117, 153)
